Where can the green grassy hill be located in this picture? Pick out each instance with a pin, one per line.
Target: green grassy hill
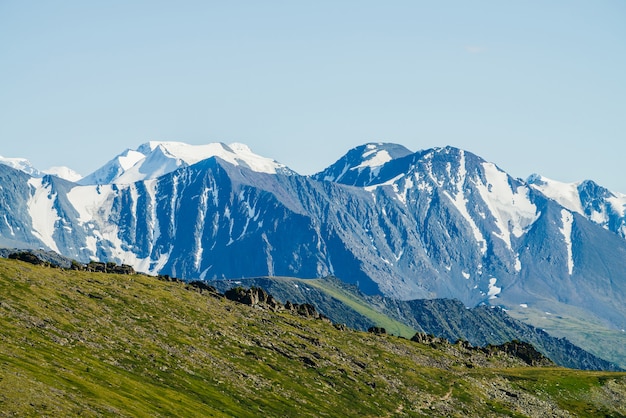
(445, 318)
(94, 344)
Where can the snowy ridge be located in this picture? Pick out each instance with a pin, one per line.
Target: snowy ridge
(65, 173)
(27, 167)
(154, 159)
(566, 194)
(361, 165)
(588, 199)
(21, 164)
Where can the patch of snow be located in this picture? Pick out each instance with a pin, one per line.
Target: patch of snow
(567, 220)
(199, 227)
(43, 214)
(465, 274)
(89, 201)
(618, 203)
(512, 209)
(129, 159)
(6, 221)
(493, 289)
(408, 185)
(376, 159)
(387, 183)
(566, 194)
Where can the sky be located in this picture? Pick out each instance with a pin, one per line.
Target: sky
(533, 86)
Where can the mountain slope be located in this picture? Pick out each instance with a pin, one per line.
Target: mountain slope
(95, 344)
(443, 318)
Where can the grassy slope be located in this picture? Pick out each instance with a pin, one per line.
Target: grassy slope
(391, 325)
(587, 333)
(76, 343)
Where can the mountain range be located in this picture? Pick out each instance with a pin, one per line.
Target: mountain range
(437, 223)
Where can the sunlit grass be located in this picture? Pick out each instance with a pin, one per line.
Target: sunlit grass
(94, 344)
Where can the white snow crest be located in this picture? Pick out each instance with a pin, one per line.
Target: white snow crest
(130, 158)
(21, 164)
(65, 173)
(567, 219)
(154, 159)
(566, 194)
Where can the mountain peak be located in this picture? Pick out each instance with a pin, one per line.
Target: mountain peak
(21, 164)
(65, 173)
(156, 158)
(362, 162)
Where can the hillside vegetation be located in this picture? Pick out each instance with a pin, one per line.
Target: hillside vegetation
(444, 318)
(95, 344)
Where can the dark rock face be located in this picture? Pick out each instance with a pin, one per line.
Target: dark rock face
(27, 257)
(377, 330)
(258, 297)
(517, 349)
(524, 351)
(108, 267)
(428, 339)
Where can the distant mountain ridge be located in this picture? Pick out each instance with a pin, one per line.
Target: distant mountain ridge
(154, 159)
(27, 167)
(437, 223)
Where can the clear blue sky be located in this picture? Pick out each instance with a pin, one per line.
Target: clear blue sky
(534, 86)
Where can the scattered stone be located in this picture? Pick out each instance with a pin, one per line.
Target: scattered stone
(377, 330)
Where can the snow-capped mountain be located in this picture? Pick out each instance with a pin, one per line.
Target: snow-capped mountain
(587, 198)
(21, 164)
(64, 173)
(362, 163)
(154, 159)
(24, 165)
(435, 223)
